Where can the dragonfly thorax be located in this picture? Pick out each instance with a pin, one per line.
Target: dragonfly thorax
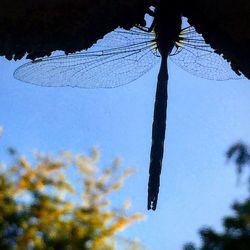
(167, 26)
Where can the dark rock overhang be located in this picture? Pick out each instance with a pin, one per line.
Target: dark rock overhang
(225, 25)
(37, 28)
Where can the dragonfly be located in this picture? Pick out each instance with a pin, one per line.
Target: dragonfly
(123, 56)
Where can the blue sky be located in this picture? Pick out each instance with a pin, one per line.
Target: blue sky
(204, 119)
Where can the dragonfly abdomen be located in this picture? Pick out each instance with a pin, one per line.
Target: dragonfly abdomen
(158, 135)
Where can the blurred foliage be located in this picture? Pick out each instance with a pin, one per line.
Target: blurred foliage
(236, 228)
(40, 208)
(240, 154)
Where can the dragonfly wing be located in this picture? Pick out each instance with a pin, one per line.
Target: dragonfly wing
(117, 59)
(199, 59)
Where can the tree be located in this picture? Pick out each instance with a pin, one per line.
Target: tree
(236, 233)
(41, 209)
(240, 154)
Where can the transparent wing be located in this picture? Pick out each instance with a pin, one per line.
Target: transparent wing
(119, 58)
(199, 59)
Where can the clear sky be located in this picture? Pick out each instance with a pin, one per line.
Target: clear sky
(204, 119)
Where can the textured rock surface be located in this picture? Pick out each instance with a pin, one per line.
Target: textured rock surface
(225, 25)
(43, 26)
